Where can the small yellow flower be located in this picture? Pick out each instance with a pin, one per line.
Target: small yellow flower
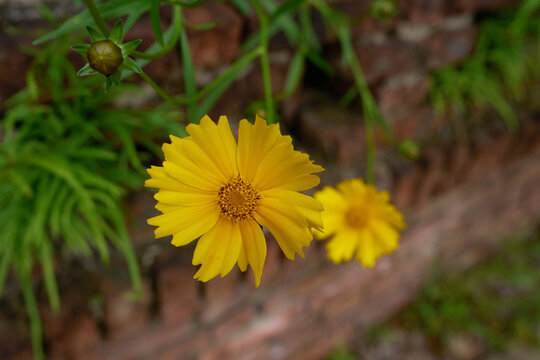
(222, 191)
(362, 220)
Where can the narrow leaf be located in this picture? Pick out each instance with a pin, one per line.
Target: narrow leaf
(94, 34)
(285, 8)
(86, 70)
(294, 75)
(49, 276)
(108, 83)
(129, 47)
(131, 65)
(81, 48)
(117, 33)
(116, 77)
(189, 74)
(156, 21)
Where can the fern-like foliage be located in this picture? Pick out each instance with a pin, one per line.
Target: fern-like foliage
(504, 63)
(67, 158)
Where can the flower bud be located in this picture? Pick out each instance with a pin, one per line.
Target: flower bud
(104, 56)
(384, 10)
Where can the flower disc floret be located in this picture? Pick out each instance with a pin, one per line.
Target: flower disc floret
(237, 200)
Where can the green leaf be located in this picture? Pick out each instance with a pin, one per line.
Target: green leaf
(242, 6)
(116, 76)
(95, 35)
(131, 65)
(207, 26)
(156, 21)
(32, 308)
(318, 61)
(285, 8)
(109, 10)
(189, 4)
(81, 48)
(129, 47)
(49, 276)
(294, 75)
(108, 83)
(21, 182)
(117, 33)
(5, 261)
(86, 70)
(189, 74)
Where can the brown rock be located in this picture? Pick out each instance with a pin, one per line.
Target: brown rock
(124, 316)
(177, 293)
(450, 47)
(486, 5)
(217, 46)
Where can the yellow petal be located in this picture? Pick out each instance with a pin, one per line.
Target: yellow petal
(306, 205)
(290, 229)
(254, 142)
(189, 177)
(161, 180)
(242, 258)
(185, 153)
(217, 142)
(334, 211)
(385, 235)
(342, 246)
(281, 166)
(368, 250)
(217, 251)
(173, 221)
(254, 245)
(185, 198)
(167, 207)
(195, 229)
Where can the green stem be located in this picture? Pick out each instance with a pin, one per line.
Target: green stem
(159, 90)
(265, 62)
(370, 153)
(91, 6)
(190, 85)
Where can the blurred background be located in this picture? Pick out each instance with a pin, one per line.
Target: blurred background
(451, 90)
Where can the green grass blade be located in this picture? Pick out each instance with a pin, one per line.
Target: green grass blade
(295, 73)
(36, 333)
(189, 73)
(155, 19)
(49, 277)
(285, 8)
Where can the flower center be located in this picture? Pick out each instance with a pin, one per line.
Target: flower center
(356, 217)
(237, 199)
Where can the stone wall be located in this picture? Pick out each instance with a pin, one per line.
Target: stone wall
(460, 200)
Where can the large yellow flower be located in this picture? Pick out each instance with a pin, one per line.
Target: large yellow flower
(218, 190)
(362, 220)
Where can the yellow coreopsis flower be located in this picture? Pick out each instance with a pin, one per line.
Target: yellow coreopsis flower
(363, 221)
(222, 191)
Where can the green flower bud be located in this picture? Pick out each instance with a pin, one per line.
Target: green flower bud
(383, 9)
(104, 56)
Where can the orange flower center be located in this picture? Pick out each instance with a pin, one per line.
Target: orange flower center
(237, 199)
(356, 217)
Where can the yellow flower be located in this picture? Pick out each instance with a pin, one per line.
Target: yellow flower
(223, 192)
(362, 220)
